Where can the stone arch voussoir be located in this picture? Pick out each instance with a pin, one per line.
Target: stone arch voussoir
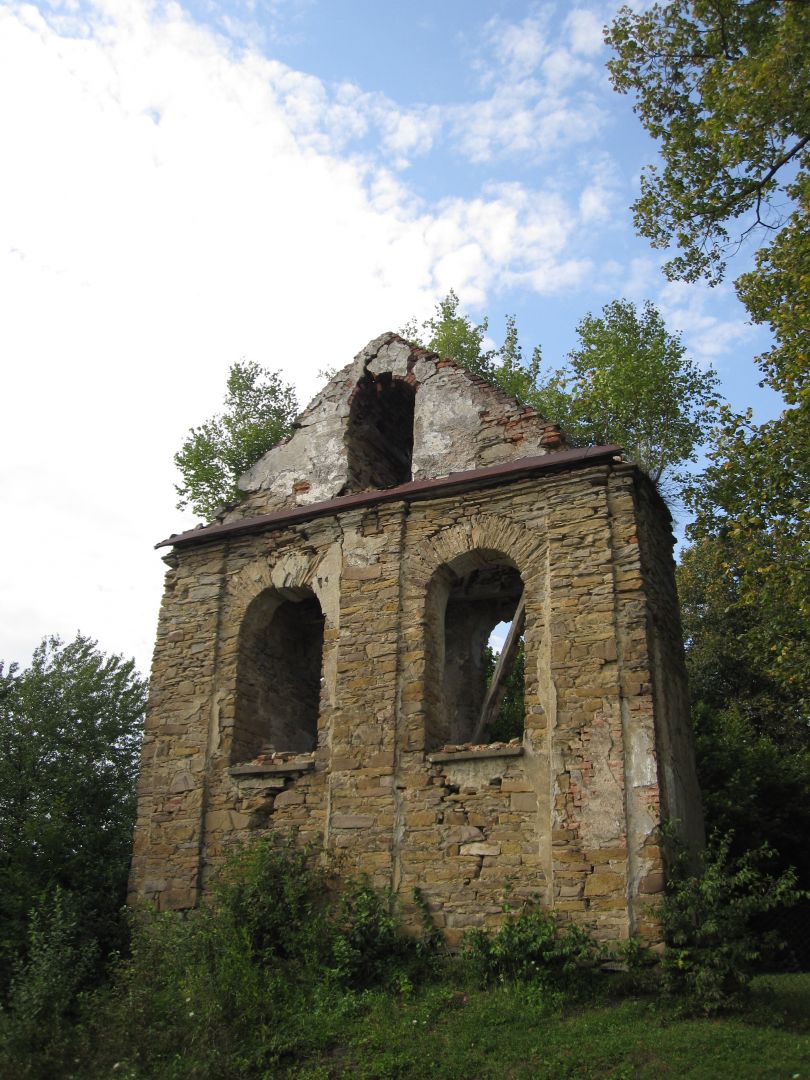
(486, 532)
(289, 573)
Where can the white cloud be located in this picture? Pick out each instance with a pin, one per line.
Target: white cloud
(518, 46)
(599, 200)
(585, 32)
(708, 335)
(539, 96)
(175, 204)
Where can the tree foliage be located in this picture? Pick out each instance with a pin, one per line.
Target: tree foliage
(629, 380)
(509, 722)
(751, 736)
(259, 413)
(724, 85)
(752, 527)
(70, 729)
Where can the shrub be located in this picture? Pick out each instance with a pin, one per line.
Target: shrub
(37, 1031)
(529, 946)
(712, 947)
(275, 897)
(263, 973)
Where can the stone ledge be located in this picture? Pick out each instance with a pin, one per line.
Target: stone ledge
(278, 768)
(475, 755)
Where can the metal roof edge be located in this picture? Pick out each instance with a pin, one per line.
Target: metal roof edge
(414, 490)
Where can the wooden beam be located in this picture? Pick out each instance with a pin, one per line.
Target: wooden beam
(497, 688)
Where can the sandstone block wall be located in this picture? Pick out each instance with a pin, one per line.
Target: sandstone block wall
(568, 814)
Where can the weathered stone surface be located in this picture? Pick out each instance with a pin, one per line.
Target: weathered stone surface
(480, 849)
(569, 815)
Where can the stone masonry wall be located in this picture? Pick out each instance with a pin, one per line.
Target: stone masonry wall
(569, 815)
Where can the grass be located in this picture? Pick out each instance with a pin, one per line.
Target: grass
(510, 1033)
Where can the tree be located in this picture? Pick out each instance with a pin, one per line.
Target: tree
(450, 333)
(629, 381)
(752, 742)
(724, 85)
(752, 521)
(70, 732)
(259, 413)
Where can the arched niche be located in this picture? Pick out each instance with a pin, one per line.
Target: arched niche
(467, 598)
(279, 671)
(379, 433)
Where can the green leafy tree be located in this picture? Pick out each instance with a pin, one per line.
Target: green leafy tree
(70, 731)
(449, 332)
(751, 736)
(724, 86)
(259, 413)
(752, 524)
(629, 381)
(510, 720)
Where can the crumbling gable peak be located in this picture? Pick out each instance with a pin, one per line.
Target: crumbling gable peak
(398, 412)
(418, 363)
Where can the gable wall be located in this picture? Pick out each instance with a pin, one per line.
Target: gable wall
(461, 422)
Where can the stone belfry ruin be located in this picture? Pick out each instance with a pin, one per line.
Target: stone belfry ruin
(319, 664)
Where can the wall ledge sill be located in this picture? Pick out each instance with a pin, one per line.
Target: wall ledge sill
(474, 755)
(277, 768)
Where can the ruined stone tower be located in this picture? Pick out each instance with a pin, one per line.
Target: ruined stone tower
(319, 659)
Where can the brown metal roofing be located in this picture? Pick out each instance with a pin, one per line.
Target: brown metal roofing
(411, 492)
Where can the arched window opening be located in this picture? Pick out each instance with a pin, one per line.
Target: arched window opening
(481, 693)
(379, 435)
(279, 674)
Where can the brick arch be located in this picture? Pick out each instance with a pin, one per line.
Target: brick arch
(291, 571)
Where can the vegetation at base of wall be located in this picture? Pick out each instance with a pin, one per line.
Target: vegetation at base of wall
(712, 921)
(287, 970)
(530, 947)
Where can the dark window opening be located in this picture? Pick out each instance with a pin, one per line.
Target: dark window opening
(476, 603)
(279, 675)
(379, 436)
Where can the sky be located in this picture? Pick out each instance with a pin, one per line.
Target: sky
(186, 185)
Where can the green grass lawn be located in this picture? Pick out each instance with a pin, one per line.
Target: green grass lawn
(510, 1032)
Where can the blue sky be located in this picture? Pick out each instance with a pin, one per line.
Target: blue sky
(188, 184)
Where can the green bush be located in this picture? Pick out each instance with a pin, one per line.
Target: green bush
(530, 946)
(38, 1028)
(265, 972)
(712, 947)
